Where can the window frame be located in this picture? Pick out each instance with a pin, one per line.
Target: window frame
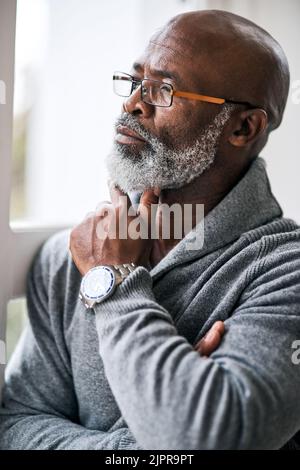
(19, 242)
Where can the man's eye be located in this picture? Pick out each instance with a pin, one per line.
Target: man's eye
(165, 88)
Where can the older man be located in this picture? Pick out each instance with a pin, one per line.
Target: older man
(109, 358)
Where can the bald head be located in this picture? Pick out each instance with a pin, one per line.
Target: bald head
(232, 58)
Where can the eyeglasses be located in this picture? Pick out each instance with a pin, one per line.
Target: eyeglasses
(161, 94)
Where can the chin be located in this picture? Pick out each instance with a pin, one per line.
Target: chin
(131, 152)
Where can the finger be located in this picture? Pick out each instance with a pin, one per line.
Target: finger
(103, 208)
(219, 326)
(113, 194)
(206, 343)
(149, 197)
(209, 344)
(118, 197)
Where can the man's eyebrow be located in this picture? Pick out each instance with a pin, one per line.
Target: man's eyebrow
(137, 67)
(162, 73)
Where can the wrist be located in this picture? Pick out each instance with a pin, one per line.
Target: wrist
(100, 282)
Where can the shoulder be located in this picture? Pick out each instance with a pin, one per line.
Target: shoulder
(53, 259)
(280, 240)
(54, 281)
(274, 274)
(280, 235)
(55, 251)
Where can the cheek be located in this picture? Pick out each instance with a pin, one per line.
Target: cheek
(179, 127)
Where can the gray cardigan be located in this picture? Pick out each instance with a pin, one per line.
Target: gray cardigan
(126, 376)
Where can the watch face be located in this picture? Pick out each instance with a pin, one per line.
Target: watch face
(98, 283)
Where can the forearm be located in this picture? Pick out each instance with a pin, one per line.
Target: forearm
(172, 398)
(156, 376)
(46, 432)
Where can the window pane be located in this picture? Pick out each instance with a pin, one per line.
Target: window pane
(65, 108)
(31, 31)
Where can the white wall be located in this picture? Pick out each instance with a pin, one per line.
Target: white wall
(282, 20)
(72, 119)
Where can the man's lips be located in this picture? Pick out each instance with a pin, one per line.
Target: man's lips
(127, 136)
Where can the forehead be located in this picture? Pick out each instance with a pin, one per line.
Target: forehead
(168, 57)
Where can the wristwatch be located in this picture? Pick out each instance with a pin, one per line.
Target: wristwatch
(100, 282)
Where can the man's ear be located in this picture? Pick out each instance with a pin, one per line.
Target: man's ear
(248, 126)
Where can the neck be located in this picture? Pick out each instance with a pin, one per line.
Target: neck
(208, 189)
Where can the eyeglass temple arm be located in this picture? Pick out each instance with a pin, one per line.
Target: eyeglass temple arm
(195, 96)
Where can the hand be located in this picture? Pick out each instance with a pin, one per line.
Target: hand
(96, 241)
(211, 340)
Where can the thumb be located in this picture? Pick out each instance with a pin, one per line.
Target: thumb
(149, 197)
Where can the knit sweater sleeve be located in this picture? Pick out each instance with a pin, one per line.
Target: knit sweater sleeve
(245, 396)
(39, 409)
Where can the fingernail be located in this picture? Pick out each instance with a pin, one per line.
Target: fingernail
(210, 336)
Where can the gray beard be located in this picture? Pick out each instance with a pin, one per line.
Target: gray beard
(158, 165)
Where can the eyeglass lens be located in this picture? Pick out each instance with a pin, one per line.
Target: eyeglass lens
(152, 91)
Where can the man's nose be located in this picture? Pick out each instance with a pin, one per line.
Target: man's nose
(134, 105)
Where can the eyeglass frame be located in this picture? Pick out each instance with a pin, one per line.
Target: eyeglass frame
(181, 94)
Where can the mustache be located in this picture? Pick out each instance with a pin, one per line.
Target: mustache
(126, 119)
